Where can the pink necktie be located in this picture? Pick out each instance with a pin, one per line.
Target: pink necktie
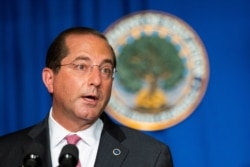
(73, 139)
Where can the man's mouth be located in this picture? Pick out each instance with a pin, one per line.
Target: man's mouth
(90, 97)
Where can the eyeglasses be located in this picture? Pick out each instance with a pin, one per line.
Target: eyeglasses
(107, 71)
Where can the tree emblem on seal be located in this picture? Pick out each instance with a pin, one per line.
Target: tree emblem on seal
(149, 66)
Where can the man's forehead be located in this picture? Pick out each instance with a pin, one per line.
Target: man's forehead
(77, 37)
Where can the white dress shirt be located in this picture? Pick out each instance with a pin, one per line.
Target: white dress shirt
(87, 146)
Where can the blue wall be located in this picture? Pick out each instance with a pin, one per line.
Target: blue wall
(217, 134)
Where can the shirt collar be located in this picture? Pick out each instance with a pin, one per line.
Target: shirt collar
(90, 136)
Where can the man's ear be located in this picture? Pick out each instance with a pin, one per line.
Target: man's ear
(48, 79)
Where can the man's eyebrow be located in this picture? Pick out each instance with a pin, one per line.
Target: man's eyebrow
(107, 61)
(82, 58)
(85, 58)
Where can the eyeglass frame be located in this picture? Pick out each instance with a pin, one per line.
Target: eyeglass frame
(90, 67)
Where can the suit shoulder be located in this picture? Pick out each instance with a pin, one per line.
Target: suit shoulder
(14, 136)
(141, 138)
(129, 136)
(145, 149)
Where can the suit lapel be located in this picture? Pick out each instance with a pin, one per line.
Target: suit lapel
(111, 152)
(40, 134)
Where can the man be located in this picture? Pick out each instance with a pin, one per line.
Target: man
(79, 73)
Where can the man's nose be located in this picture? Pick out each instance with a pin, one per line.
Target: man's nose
(95, 77)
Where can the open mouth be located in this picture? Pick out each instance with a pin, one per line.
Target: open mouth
(91, 98)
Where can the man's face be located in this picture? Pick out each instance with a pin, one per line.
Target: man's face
(79, 94)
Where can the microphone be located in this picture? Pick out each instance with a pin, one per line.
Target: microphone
(68, 156)
(33, 155)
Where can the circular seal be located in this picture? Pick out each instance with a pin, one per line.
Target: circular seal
(162, 70)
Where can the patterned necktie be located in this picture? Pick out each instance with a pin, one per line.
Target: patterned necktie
(73, 139)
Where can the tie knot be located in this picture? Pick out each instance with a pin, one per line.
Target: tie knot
(72, 139)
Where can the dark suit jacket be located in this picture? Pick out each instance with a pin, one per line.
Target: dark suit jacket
(136, 149)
